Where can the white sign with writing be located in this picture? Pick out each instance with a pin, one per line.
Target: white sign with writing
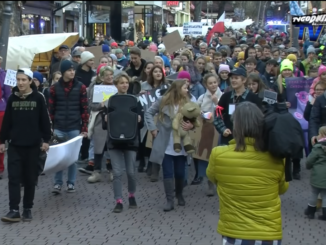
(10, 79)
(103, 92)
(192, 28)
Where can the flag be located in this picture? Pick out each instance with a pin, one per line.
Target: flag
(218, 27)
(295, 9)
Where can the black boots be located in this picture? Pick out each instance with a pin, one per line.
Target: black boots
(310, 212)
(168, 188)
(178, 191)
(155, 172)
(323, 216)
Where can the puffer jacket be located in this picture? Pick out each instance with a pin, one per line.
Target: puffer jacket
(316, 161)
(248, 184)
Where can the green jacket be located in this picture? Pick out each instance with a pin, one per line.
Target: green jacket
(306, 65)
(316, 161)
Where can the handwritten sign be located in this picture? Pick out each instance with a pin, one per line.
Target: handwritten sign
(192, 28)
(149, 97)
(103, 92)
(10, 78)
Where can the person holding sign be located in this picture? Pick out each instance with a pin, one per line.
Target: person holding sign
(229, 101)
(26, 125)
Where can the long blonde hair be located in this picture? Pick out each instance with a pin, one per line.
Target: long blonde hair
(172, 97)
(280, 82)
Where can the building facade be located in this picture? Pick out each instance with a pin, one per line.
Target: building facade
(176, 12)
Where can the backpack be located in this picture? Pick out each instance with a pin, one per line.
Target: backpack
(283, 133)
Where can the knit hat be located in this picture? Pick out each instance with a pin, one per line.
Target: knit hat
(38, 76)
(321, 70)
(86, 56)
(118, 50)
(114, 45)
(114, 57)
(286, 65)
(99, 68)
(66, 65)
(131, 43)
(105, 48)
(184, 75)
(153, 48)
(241, 55)
(311, 49)
(223, 68)
(292, 57)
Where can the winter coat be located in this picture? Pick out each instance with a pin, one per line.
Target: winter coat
(316, 162)
(248, 185)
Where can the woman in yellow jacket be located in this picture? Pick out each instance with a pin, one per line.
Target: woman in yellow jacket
(249, 182)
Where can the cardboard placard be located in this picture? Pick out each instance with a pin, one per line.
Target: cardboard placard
(10, 78)
(173, 42)
(225, 40)
(204, 139)
(97, 51)
(148, 55)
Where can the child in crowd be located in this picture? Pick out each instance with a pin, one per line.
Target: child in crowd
(316, 161)
(208, 103)
(217, 61)
(255, 84)
(296, 71)
(176, 63)
(223, 73)
(123, 155)
(321, 78)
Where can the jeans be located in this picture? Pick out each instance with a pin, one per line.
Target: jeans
(174, 166)
(91, 150)
(22, 168)
(72, 170)
(121, 159)
(314, 196)
(202, 166)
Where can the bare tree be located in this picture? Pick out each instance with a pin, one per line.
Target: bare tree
(197, 14)
(15, 21)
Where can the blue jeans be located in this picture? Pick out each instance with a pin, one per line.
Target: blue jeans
(91, 150)
(202, 166)
(174, 166)
(72, 170)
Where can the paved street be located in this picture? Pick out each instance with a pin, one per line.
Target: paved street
(86, 217)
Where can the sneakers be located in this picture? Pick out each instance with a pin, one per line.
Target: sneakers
(27, 215)
(71, 188)
(118, 208)
(211, 189)
(56, 189)
(88, 169)
(132, 203)
(95, 177)
(11, 217)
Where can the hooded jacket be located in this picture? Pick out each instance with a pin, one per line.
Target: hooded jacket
(85, 77)
(26, 121)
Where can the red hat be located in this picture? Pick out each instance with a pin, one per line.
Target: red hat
(99, 68)
(114, 45)
(131, 44)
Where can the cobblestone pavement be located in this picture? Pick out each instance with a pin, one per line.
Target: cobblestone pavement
(86, 217)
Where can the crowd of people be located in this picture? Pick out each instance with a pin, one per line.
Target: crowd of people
(223, 79)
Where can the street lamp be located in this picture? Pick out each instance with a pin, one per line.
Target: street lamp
(4, 36)
(209, 4)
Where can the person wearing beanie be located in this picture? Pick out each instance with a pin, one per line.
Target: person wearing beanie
(105, 49)
(114, 45)
(241, 60)
(226, 105)
(321, 78)
(195, 89)
(223, 73)
(121, 58)
(286, 70)
(84, 72)
(310, 60)
(68, 109)
(26, 126)
(153, 48)
(38, 80)
(296, 70)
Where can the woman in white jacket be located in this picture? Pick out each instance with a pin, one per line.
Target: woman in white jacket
(208, 102)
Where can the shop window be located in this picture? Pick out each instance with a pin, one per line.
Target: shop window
(57, 24)
(127, 24)
(148, 20)
(45, 24)
(69, 26)
(28, 24)
(157, 28)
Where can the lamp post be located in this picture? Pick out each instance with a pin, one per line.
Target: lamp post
(4, 36)
(209, 4)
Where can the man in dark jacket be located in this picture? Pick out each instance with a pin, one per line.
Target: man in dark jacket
(25, 126)
(64, 53)
(134, 70)
(69, 114)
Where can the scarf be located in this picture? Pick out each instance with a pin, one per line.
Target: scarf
(205, 101)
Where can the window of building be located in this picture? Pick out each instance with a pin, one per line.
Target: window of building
(28, 24)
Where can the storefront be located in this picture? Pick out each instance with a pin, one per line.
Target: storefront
(36, 18)
(101, 17)
(141, 17)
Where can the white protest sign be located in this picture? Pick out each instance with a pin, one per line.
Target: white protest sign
(103, 92)
(10, 79)
(61, 156)
(192, 28)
